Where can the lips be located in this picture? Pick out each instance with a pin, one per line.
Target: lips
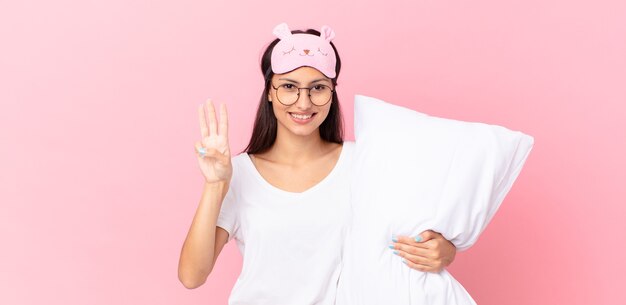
(302, 118)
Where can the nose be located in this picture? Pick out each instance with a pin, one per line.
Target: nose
(306, 51)
(304, 99)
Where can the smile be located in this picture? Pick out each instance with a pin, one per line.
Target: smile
(302, 116)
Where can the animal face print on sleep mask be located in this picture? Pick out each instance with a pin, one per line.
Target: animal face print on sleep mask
(297, 50)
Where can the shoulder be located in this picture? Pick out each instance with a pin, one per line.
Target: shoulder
(345, 144)
(348, 152)
(239, 158)
(239, 163)
(348, 146)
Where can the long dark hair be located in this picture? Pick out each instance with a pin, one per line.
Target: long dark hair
(265, 124)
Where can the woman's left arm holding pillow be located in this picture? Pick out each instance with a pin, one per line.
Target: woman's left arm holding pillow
(427, 252)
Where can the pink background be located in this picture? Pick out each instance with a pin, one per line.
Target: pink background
(99, 181)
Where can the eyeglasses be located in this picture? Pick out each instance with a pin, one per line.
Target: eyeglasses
(288, 94)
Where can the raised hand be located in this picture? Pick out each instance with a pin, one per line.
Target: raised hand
(213, 149)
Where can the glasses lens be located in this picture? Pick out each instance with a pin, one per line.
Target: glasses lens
(287, 94)
(320, 94)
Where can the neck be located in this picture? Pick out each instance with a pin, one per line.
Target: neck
(296, 149)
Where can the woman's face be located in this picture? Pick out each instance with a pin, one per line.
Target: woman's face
(309, 116)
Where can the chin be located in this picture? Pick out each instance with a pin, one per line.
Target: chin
(303, 130)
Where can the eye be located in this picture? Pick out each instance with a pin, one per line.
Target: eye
(320, 87)
(288, 87)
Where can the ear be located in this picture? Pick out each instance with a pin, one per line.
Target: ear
(282, 31)
(327, 33)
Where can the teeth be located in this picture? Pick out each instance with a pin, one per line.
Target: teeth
(301, 117)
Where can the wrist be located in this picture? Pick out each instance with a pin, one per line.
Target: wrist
(216, 184)
(213, 194)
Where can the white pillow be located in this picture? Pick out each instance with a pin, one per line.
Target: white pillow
(414, 172)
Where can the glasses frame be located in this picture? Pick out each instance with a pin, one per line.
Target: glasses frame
(332, 90)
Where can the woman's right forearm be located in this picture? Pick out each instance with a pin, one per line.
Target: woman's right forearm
(198, 252)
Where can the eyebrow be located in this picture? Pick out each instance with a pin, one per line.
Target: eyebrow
(314, 81)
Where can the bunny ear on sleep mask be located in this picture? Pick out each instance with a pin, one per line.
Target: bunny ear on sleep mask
(282, 31)
(297, 50)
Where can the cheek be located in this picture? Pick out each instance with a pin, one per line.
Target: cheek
(323, 114)
(279, 109)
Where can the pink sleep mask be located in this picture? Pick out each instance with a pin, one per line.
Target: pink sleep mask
(297, 50)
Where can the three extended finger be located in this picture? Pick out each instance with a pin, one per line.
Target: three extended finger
(212, 118)
(204, 130)
(223, 121)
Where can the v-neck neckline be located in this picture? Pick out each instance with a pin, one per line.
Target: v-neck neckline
(311, 189)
